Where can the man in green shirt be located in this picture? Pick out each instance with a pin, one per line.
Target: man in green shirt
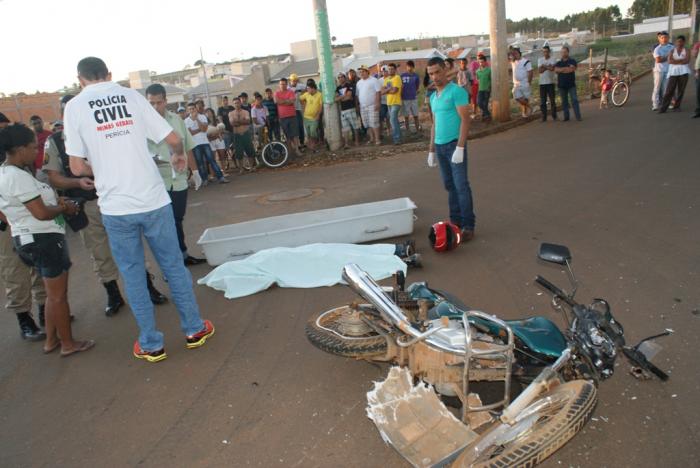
(483, 76)
(175, 183)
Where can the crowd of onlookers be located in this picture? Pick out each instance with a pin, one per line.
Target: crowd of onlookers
(672, 71)
(371, 107)
(387, 104)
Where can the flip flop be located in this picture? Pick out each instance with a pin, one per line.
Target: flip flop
(53, 348)
(84, 346)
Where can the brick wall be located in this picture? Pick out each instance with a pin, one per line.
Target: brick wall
(45, 105)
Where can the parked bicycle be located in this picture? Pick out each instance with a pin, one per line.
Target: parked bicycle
(271, 153)
(622, 81)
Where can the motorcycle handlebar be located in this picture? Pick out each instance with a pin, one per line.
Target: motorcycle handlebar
(551, 287)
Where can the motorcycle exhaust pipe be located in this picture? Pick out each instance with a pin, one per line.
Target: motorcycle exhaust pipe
(360, 282)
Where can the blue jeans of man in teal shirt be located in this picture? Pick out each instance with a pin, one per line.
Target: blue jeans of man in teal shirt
(456, 181)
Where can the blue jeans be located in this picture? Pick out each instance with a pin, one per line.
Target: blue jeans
(565, 93)
(204, 154)
(125, 239)
(456, 181)
(394, 121)
(657, 95)
(482, 100)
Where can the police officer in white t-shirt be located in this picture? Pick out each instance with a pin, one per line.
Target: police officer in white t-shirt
(106, 129)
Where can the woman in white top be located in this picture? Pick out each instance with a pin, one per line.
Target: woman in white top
(35, 217)
(678, 72)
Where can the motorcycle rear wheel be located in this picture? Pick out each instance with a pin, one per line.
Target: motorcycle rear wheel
(544, 432)
(323, 330)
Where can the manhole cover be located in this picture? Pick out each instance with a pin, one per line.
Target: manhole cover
(290, 195)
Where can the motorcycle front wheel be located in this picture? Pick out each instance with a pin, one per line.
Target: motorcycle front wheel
(340, 331)
(547, 424)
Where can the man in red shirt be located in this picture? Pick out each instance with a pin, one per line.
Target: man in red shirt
(41, 136)
(285, 99)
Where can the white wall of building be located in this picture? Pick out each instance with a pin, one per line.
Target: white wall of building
(654, 25)
(365, 46)
(303, 50)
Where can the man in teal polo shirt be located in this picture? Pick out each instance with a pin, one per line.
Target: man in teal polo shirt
(448, 145)
(175, 183)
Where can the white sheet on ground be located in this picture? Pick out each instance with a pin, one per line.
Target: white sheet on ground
(308, 266)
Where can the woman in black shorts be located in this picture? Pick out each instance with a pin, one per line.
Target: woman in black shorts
(35, 217)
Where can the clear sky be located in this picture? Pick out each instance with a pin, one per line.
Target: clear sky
(44, 39)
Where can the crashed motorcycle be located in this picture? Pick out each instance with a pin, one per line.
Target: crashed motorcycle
(547, 378)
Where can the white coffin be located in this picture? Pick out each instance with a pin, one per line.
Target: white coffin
(347, 224)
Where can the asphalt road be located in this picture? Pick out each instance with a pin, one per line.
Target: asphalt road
(620, 189)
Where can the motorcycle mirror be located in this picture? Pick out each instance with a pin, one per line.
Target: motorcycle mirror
(559, 254)
(554, 253)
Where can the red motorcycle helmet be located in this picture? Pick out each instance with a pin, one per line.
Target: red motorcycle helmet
(444, 236)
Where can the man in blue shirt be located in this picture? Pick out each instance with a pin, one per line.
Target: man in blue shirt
(660, 55)
(448, 145)
(566, 82)
(409, 94)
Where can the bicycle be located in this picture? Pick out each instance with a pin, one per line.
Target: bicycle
(271, 153)
(274, 153)
(622, 81)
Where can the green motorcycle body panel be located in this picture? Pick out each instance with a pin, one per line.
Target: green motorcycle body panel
(539, 334)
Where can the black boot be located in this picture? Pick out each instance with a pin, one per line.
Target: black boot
(156, 296)
(405, 249)
(114, 298)
(28, 329)
(415, 260)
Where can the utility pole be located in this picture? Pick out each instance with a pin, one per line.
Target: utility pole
(498, 42)
(331, 114)
(18, 108)
(206, 81)
(670, 18)
(694, 22)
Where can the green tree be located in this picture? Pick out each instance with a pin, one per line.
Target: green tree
(643, 9)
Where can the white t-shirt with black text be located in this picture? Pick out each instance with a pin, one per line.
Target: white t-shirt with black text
(18, 187)
(201, 137)
(108, 125)
(367, 91)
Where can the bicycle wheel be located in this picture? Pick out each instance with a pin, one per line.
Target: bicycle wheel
(620, 94)
(275, 154)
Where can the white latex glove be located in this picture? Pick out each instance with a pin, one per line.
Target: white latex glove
(458, 155)
(196, 179)
(431, 159)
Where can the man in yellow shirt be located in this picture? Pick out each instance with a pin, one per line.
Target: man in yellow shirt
(312, 101)
(392, 89)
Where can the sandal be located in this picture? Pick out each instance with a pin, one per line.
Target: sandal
(52, 349)
(84, 346)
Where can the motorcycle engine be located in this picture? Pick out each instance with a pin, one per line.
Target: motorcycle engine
(597, 338)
